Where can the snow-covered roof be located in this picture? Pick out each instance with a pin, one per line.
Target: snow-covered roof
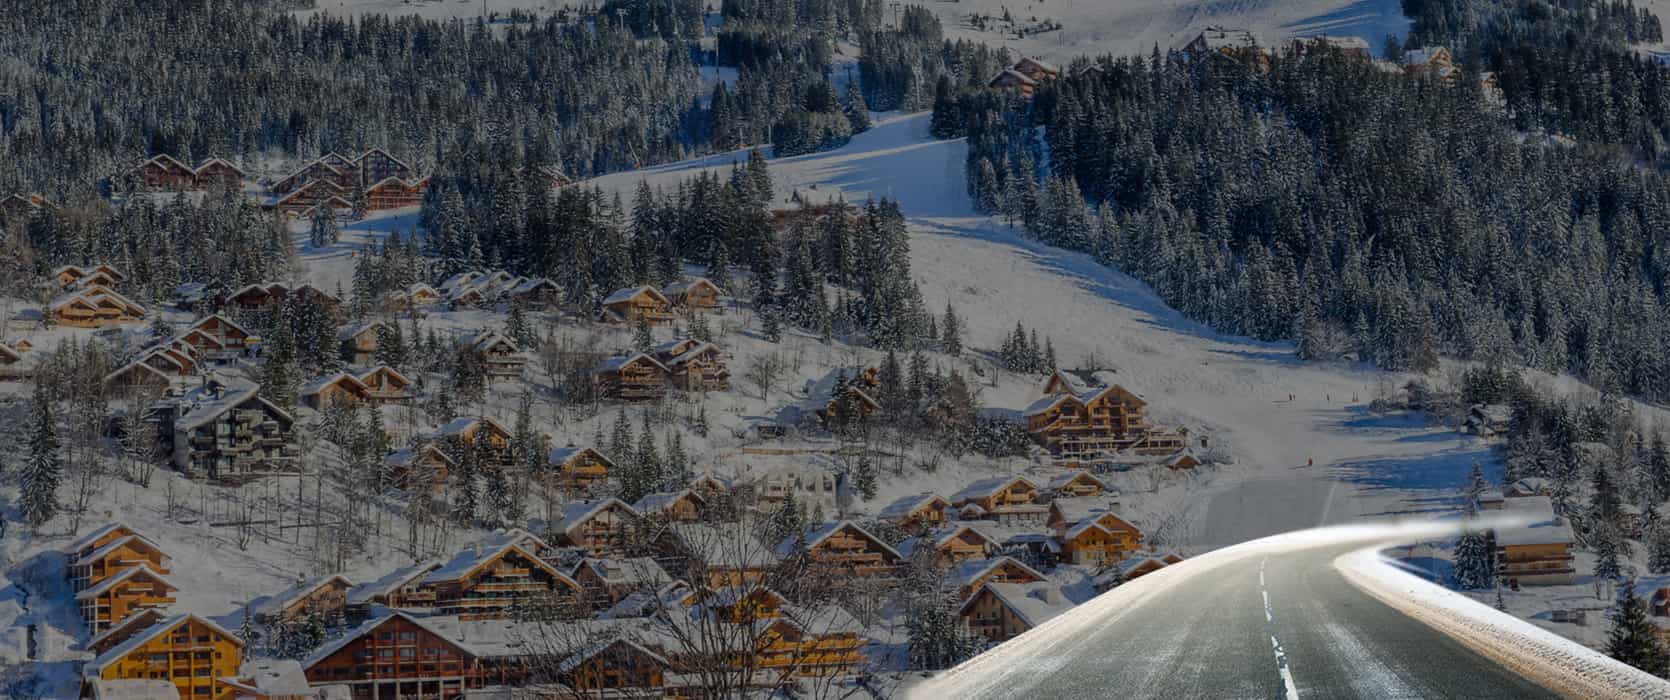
(576, 513)
(905, 505)
(492, 639)
(1062, 480)
(110, 582)
(633, 571)
(614, 364)
(1036, 64)
(354, 330)
(561, 455)
(1034, 603)
(318, 385)
(95, 667)
(391, 582)
(133, 689)
(271, 678)
(643, 603)
(724, 544)
(970, 570)
(989, 486)
(1216, 38)
(1011, 75)
(822, 532)
(205, 165)
(462, 424)
(467, 561)
(621, 296)
(591, 650)
(457, 280)
(91, 537)
(274, 605)
(685, 285)
(486, 340)
(1423, 55)
(202, 407)
(662, 500)
(112, 545)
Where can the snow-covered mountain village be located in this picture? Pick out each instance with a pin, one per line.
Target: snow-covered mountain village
(811, 350)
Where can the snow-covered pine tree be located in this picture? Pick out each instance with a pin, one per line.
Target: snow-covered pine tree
(43, 469)
(1632, 638)
(951, 332)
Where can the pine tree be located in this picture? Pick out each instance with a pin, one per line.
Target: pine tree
(1633, 639)
(1658, 549)
(1475, 560)
(620, 438)
(951, 332)
(643, 337)
(44, 469)
(864, 477)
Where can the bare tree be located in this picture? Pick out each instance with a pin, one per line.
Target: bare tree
(764, 372)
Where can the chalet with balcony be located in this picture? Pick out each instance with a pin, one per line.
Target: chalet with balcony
(970, 574)
(1007, 500)
(845, 548)
(1077, 484)
(399, 655)
(693, 365)
(489, 578)
(1537, 554)
(12, 365)
(422, 468)
(816, 489)
(217, 173)
(846, 396)
(599, 527)
(164, 172)
(139, 620)
(418, 294)
(1002, 611)
(537, 293)
(608, 581)
(916, 513)
(715, 555)
(326, 596)
(108, 551)
(1223, 43)
(1432, 62)
(1134, 568)
(19, 207)
(227, 434)
(94, 306)
(154, 371)
(359, 342)
(634, 304)
(401, 588)
(386, 385)
(116, 597)
(951, 544)
(481, 433)
(578, 468)
(233, 340)
(342, 389)
(1089, 533)
(499, 356)
(394, 192)
(638, 377)
(805, 642)
(315, 193)
(1096, 424)
(377, 164)
(694, 295)
(685, 506)
(190, 651)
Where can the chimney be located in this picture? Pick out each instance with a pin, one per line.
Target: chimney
(1050, 594)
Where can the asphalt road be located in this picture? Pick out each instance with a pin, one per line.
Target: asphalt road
(1208, 636)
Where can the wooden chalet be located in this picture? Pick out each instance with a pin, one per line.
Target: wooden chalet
(303, 199)
(386, 385)
(537, 293)
(499, 355)
(1011, 79)
(217, 172)
(359, 341)
(481, 433)
(94, 307)
(1002, 611)
(19, 207)
(1096, 424)
(844, 547)
(325, 596)
(71, 277)
(1036, 69)
(608, 581)
(951, 544)
(1077, 484)
(1433, 62)
(694, 365)
(375, 164)
(810, 642)
(615, 668)
(697, 294)
(600, 526)
(1089, 533)
(425, 467)
(393, 193)
(685, 506)
(1182, 461)
(858, 398)
(418, 294)
(255, 297)
(637, 377)
(1008, 500)
(124, 629)
(316, 171)
(634, 304)
(108, 551)
(918, 512)
(578, 468)
(1236, 44)
(970, 574)
(149, 372)
(398, 656)
(164, 172)
(1137, 567)
(1348, 46)
(710, 487)
(1536, 554)
(115, 597)
(227, 434)
(191, 651)
(489, 578)
(270, 679)
(341, 388)
(401, 588)
(716, 554)
(233, 340)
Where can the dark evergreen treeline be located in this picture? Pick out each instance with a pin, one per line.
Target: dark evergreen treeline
(94, 85)
(1359, 211)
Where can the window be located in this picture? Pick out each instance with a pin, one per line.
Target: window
(385, 653)
(408, 636)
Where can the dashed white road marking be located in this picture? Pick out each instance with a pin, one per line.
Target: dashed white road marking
(1292, 690)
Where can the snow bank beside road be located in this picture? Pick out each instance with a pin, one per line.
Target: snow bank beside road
(1560, 664)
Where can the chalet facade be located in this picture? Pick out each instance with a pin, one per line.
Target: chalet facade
(229, 340)
(190, 651)
(599, 527)
(1433, 62)
(487, 580)
(1223, 43)
(845, 548)
(695, 295)
(578, 468)
(340, 389)
(1537, 554)
(684, 506)
(1077, 484)
(386, 385)
(398, 656)
(94, 306)
(164, 172)
(419, 469)
(115, 597)
(1089, 533)
(359, 342)
(19, 207)
(489, 436)
(326, 597)
(1096, 424)
(693, 365)
(1007, 500)
(227, 434)
(108, 551)
(401, 588)
(499, 355)
(951, 544)
(917, 513)
(971, 574)
(1024, 76)
(638, 377)
(1002, 611)
(634, 304)
(608, 581)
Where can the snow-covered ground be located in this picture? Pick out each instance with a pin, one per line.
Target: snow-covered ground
(438, 9)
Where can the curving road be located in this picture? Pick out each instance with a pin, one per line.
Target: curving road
(1258, 624)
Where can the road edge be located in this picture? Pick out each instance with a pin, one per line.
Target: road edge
(1559, 664)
